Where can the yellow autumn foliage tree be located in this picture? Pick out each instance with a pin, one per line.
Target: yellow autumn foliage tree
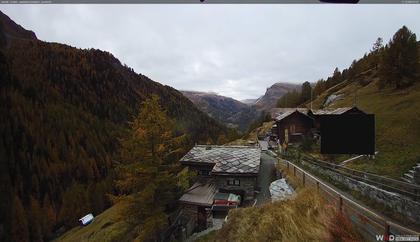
(150, 178)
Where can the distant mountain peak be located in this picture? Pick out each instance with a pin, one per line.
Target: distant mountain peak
(273, 93)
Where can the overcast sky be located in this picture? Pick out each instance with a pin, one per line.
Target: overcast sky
(234, 50)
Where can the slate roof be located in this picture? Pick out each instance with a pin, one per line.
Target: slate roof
(227, 159)
(278, 111)
(281, 116)
(201, 193)
(330, 111)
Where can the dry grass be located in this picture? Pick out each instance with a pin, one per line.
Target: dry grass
(110, 225)
(305, 217)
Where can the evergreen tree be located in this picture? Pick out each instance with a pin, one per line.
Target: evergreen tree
(306, 92)
(289, 100)
(376, 52)
(377, 45)
(399, 63)
(319, 88)
(336, 77)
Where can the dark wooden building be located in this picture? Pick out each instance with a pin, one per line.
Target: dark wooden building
(292, 125)
(317, 113)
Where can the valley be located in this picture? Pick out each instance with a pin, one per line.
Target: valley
(83, 133)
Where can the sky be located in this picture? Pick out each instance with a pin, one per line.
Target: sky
(233, 50)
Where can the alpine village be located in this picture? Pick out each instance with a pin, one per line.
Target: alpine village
(91, 150)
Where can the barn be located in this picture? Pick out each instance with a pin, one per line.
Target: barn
(292, 125)
(317, 113)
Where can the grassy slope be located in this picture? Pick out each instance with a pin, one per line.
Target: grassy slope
(252, 136)
(107, 226)
(397, 125)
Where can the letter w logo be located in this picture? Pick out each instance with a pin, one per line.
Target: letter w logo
(379, 237)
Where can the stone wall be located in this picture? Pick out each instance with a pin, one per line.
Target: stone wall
(247, 185)
(395, 201)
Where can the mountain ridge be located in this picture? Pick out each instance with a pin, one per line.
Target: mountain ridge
(273, 94)
(224, 109)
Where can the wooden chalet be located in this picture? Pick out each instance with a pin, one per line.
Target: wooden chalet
(292, 125)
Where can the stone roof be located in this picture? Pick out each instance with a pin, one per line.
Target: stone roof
(286, 114)
(274, 112)
(332, 111)
(201, 193)
(227, 159)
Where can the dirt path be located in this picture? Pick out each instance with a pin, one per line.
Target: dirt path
(265, 177)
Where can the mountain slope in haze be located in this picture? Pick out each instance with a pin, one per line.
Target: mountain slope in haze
(224, 109)
(249, 101)
(62, 112)
(273, 94)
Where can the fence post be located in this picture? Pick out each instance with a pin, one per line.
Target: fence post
(340, 199)
(317, 186)
(303, 178)
(294, 170)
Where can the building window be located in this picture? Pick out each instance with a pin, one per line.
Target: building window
(204, 173)
(233, 182)
(292, 129)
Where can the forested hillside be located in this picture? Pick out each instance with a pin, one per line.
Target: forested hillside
(224, 109)
(63, 111)
(385, 82)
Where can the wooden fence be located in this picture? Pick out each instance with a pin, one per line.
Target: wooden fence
(368, 222)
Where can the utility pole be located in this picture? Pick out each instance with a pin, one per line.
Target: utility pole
(311, 98)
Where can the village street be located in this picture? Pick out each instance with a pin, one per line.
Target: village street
(265, 177)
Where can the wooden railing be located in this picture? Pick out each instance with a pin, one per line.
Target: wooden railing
(369, 223)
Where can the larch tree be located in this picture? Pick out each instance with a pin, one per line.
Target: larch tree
(148, 179)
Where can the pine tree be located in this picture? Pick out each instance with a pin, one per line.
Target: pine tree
(376, 52)
(306, 92)
(399, 63)
(377, 45)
